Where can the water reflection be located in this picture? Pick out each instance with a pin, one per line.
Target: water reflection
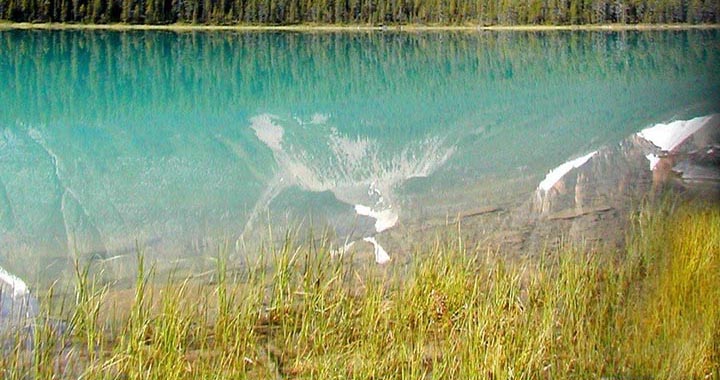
(358, 172)
(177, 141)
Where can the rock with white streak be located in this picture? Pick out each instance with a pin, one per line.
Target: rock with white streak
(17, 305)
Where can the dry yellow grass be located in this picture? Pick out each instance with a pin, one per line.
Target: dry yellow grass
(650, 311)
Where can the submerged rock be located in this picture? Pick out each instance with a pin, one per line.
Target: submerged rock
(589, 202)
(18, 307)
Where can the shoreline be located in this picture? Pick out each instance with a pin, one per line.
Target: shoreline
(353, 321)
(350, 28)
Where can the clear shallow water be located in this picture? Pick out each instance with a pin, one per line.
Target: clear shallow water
(176, 140)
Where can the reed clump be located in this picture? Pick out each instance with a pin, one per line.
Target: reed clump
(648, 311)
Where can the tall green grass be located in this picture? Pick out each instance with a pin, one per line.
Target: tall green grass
(649, 311)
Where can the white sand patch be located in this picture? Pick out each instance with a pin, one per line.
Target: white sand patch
(556, 174)
(384, 219)
(381, 256)
(669, 136)
(267, 131)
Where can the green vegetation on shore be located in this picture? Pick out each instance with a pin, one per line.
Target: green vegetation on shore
(649, 311)
(362, 12)
(324, 27)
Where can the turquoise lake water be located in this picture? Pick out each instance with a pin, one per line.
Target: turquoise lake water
(176, 140)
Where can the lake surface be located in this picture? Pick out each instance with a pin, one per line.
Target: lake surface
(178, 141)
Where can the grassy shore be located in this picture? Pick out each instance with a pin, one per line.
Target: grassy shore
(648, 311)
(350, 28)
